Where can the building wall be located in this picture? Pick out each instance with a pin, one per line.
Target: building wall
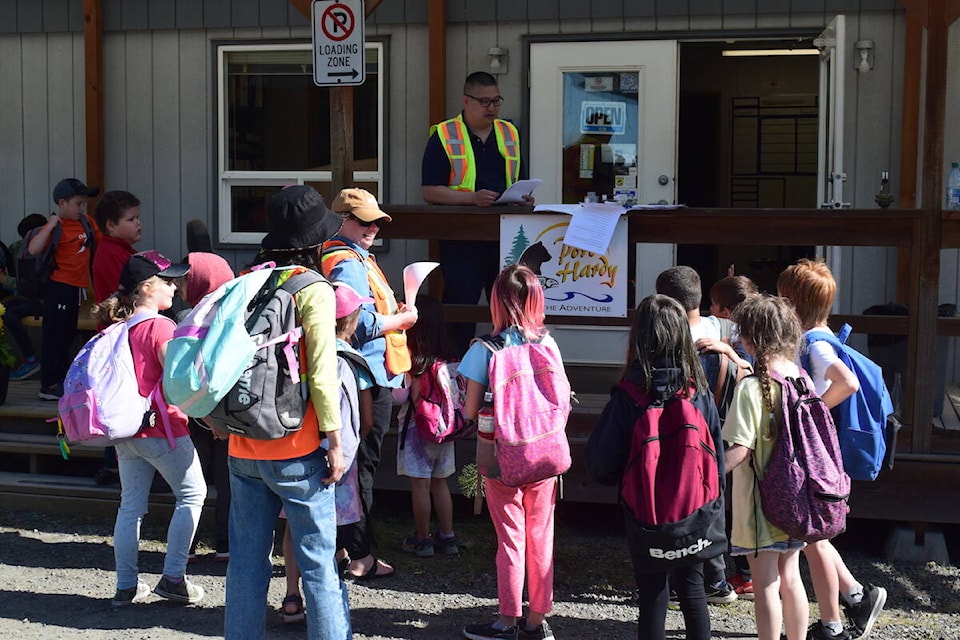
(159, 96)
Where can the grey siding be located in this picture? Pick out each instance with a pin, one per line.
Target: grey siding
(160, 126)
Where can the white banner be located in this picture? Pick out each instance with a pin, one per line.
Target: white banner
(575, 282)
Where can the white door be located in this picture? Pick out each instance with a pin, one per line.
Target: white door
(832, 46)
(604, 120)
(830, 174)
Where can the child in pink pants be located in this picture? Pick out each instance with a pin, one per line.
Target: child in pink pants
(522, 516)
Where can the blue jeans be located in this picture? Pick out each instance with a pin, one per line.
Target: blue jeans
(259, 488)
(139, 458)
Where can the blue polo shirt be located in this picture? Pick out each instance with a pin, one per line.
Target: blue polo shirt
(491, 167)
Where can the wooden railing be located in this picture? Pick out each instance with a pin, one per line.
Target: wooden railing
(906, 229)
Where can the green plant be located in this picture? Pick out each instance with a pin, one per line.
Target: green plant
(6, 356)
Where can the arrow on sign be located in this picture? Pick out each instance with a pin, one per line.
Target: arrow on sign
(352, 74)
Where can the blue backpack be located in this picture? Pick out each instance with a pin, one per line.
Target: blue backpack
(862, 418)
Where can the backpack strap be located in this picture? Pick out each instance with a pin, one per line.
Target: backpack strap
(156, 395)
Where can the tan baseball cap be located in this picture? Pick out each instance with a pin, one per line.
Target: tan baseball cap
(360, 203)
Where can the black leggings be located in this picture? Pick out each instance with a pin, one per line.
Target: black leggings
(654, 596)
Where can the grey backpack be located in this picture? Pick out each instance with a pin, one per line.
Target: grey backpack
(270, 399)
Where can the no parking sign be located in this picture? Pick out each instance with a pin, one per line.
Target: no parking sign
(338, 43)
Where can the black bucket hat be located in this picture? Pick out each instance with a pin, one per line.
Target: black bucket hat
(297, 218)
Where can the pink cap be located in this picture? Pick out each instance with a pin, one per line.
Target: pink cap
(348, 300)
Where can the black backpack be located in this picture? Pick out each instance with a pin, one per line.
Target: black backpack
(33, 271)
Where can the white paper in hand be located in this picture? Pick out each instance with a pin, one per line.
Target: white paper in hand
(413, 276)
(520, 188)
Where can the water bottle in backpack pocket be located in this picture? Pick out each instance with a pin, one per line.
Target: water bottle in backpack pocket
(531, 403)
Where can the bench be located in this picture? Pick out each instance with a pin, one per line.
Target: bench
(85, 323)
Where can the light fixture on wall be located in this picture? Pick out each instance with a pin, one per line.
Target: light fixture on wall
(498, 60)
(863, 61)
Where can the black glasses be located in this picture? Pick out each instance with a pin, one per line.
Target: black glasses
(364, 223)
(486, 103)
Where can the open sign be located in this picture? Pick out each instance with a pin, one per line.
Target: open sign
(603, 117)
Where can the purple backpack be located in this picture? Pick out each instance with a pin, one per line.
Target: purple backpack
(531, 402)
(804, 489)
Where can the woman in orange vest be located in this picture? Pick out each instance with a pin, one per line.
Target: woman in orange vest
(380, 339)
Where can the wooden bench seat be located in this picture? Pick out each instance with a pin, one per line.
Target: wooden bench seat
(85, 323)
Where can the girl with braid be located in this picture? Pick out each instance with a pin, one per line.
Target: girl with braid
(770, 332)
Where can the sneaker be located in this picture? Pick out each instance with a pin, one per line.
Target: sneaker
(543, 632)
(222, 557)
(720, 593)
(817, 631)
(490, 632)
(185, 592)
(420, 548)
(743, 587)
(192, 558)
(861, 616)
(50, 393)
(123, 597)
(445, 546)
(27, 369)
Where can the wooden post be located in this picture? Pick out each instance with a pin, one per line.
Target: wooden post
(93, 91)
(341, 116)
(437, 102)
(923, 318)
(437, 36)
(341, 138)
(909, 132)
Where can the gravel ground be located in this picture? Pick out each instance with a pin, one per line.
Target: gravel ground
(56, 580)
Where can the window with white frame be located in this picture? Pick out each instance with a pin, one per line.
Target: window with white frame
(274, 130)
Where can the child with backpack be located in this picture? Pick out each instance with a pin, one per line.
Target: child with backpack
(22, 306)
(356, 420)
(810, 286)
(726, 295)
(770, 332)
(146, 288)
(429, 463)
(523, 515)
(660, 430)
(723, 367)
(63, 248)
(207, 272)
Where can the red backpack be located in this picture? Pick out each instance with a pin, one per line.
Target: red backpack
(438, 412)
(671, 482)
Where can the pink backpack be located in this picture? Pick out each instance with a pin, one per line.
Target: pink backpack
(438, 412)
(531, 402)
(101, 400)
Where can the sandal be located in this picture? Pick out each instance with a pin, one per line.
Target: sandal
(374, 572)
(296, 614)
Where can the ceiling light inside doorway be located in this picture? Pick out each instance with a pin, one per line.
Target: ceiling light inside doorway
(738, 53)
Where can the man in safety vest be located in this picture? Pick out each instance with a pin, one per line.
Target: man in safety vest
(470, 160)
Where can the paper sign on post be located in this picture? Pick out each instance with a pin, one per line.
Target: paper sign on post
(413, 276)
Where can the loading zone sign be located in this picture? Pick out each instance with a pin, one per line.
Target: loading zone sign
(603, 117)
(338, 43)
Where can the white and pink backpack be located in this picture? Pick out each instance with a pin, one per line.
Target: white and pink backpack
(531, 403)
(101, 401)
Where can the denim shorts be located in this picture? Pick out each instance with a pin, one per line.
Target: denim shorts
(777, 547)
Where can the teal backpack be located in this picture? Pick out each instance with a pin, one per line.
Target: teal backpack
(235, 359)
